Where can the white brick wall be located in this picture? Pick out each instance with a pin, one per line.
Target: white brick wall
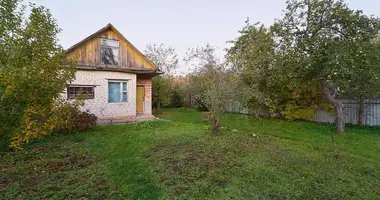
(99, 105)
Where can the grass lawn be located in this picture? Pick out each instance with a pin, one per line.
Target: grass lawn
(180, 158)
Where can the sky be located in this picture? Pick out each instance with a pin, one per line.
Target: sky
(177, 23)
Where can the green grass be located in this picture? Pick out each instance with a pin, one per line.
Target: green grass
(181, 158)
(56, 168)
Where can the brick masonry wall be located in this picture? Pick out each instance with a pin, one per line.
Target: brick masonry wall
(144, 80)
(147, 83)
(99, 105)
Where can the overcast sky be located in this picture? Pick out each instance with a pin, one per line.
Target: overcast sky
(181, 24)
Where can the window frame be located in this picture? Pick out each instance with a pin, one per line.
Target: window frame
(80, 86)
(121, 92)
(112, 47)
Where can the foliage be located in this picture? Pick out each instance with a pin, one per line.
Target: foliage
(188, 89)
(85, 120)
(364, 81)
(11, 20)
(63, 117)
(213, 82)
(165, 58)
(318, 41)
(176, 100)
(261, 79)
(68, 117)
(32, 71)
(252, 56)
(64, 114)
(180, 95)
(161, 91)
(302, 102)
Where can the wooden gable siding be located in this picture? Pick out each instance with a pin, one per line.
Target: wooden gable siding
(88, 53)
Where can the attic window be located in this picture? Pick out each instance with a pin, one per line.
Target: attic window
(109, 51)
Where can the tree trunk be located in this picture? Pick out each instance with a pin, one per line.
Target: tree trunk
(216, 125)
(338, 105)
(361, 110)
(339, 120)
(158, 105)
(256, 113)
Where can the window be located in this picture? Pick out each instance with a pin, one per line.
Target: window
(86, 92)
(117, 91)
(109, 51)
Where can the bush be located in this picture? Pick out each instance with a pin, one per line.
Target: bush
(62, 117)
(85, 120)
(65, 114)
(70, 118)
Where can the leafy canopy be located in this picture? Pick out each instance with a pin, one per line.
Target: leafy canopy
(33, 71)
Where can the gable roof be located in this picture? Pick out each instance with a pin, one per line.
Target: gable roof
(107, 27)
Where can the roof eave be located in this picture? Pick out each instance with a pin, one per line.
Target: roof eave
(118, 69)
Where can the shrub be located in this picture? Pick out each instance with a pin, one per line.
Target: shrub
(33, 72)
(69, 117)
(35, 123)
(85, 120)
(62, 117)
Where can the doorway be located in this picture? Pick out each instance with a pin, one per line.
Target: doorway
(140, 91)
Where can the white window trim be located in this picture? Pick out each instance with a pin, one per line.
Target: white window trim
(121, 91)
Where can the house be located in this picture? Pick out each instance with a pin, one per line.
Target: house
(113, 75)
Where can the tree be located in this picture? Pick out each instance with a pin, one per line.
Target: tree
(33, 71)
(364, 81)
(252, 56)
(166, 59)
(10, 20)
(260, 77)
(318, 41)
(213, 81)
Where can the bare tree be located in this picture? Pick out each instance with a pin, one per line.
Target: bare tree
(166, 59)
